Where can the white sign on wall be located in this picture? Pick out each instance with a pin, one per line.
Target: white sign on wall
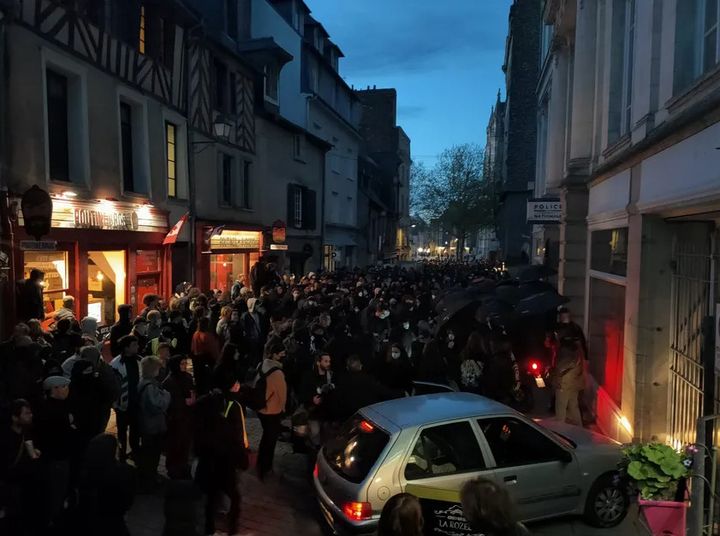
(544, 211)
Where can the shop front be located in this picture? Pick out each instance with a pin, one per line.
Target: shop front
(226, 254)
(103, 253)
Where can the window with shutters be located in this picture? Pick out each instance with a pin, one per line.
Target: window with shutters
(170, 133)
(297, 208)
(126, 137)
(57, 126)
(226, 171)
(245, 202)
(302, 207)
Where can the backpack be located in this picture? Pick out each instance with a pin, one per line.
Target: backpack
(470, 373)
(257, 393)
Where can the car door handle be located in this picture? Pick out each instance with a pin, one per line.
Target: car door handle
(512, 479)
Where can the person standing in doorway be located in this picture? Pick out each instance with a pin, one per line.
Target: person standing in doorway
(30, 297)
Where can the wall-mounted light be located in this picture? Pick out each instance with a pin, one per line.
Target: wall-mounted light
(100, 276)
(68, 194)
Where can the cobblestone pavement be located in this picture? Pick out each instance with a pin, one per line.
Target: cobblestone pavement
(285, 505)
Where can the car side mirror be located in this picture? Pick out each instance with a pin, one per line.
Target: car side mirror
(565, 456)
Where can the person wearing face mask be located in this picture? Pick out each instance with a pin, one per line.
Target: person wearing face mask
(379, 326)
(394, 369)
(403, 333)
(450, 350)
(318, 395)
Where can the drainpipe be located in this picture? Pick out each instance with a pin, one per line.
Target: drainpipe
(192, 218)
(322, 214)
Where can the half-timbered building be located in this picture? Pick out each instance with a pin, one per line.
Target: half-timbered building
(94, 114)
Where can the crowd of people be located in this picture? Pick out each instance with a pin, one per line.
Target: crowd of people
(179, 376)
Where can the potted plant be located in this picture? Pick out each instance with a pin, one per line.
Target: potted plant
(656, 474)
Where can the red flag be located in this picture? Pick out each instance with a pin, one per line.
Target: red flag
(172, 236)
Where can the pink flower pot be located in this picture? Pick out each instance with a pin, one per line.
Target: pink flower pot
(665, 518)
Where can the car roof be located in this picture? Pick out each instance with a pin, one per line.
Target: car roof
(418, 410)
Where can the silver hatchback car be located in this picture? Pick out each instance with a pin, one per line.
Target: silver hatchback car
(439, 441)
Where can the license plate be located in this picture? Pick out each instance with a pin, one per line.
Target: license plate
(540, 382)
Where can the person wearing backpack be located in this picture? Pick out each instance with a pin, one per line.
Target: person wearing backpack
(271, 414)
(222, 449)
(153, 405)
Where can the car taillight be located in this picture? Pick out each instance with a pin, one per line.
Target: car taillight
(534, 366)
(366, 427)
(316, 471)
(357, 511)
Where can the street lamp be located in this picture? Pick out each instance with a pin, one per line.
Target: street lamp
(221, 127)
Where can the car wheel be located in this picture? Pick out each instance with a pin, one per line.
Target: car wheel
(607, 503)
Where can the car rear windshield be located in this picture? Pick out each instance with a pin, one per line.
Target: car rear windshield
(355, 448)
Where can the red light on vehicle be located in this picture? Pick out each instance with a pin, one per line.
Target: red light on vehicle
(366, 427)
(316, 471)
(534, 365)
(357, 511)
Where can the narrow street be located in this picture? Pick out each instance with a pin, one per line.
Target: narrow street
(285, 505)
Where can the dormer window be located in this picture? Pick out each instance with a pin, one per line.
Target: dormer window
(271, 83)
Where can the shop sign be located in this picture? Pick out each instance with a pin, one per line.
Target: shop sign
(106, 220)
(279, 232)
(38, 245)
(229, 239)
(544, 211)
(37, 209)
(278, 247)
(106, 215)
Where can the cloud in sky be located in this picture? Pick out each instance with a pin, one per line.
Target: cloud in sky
(444, 57)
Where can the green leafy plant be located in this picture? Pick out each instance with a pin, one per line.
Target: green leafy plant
(655, 469)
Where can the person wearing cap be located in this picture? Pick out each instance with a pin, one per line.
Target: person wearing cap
(56, 438)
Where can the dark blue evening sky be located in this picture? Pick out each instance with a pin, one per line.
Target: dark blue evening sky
(443, 57)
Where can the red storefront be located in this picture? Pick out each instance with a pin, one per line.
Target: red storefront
(104, 253)
(225, 253)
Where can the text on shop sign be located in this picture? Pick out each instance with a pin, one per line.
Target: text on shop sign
(113, 221)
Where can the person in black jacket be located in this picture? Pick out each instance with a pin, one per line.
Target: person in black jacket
(180, 418)
(221, 446)
(121, 328)
(30, 297)
(56, 438)
(94, 388)
(106, 492)
(357, 389)
(19, 475)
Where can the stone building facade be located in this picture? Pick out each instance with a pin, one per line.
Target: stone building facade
(516, 183)
(638, 173)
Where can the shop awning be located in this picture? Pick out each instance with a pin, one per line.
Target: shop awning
(172, 236)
